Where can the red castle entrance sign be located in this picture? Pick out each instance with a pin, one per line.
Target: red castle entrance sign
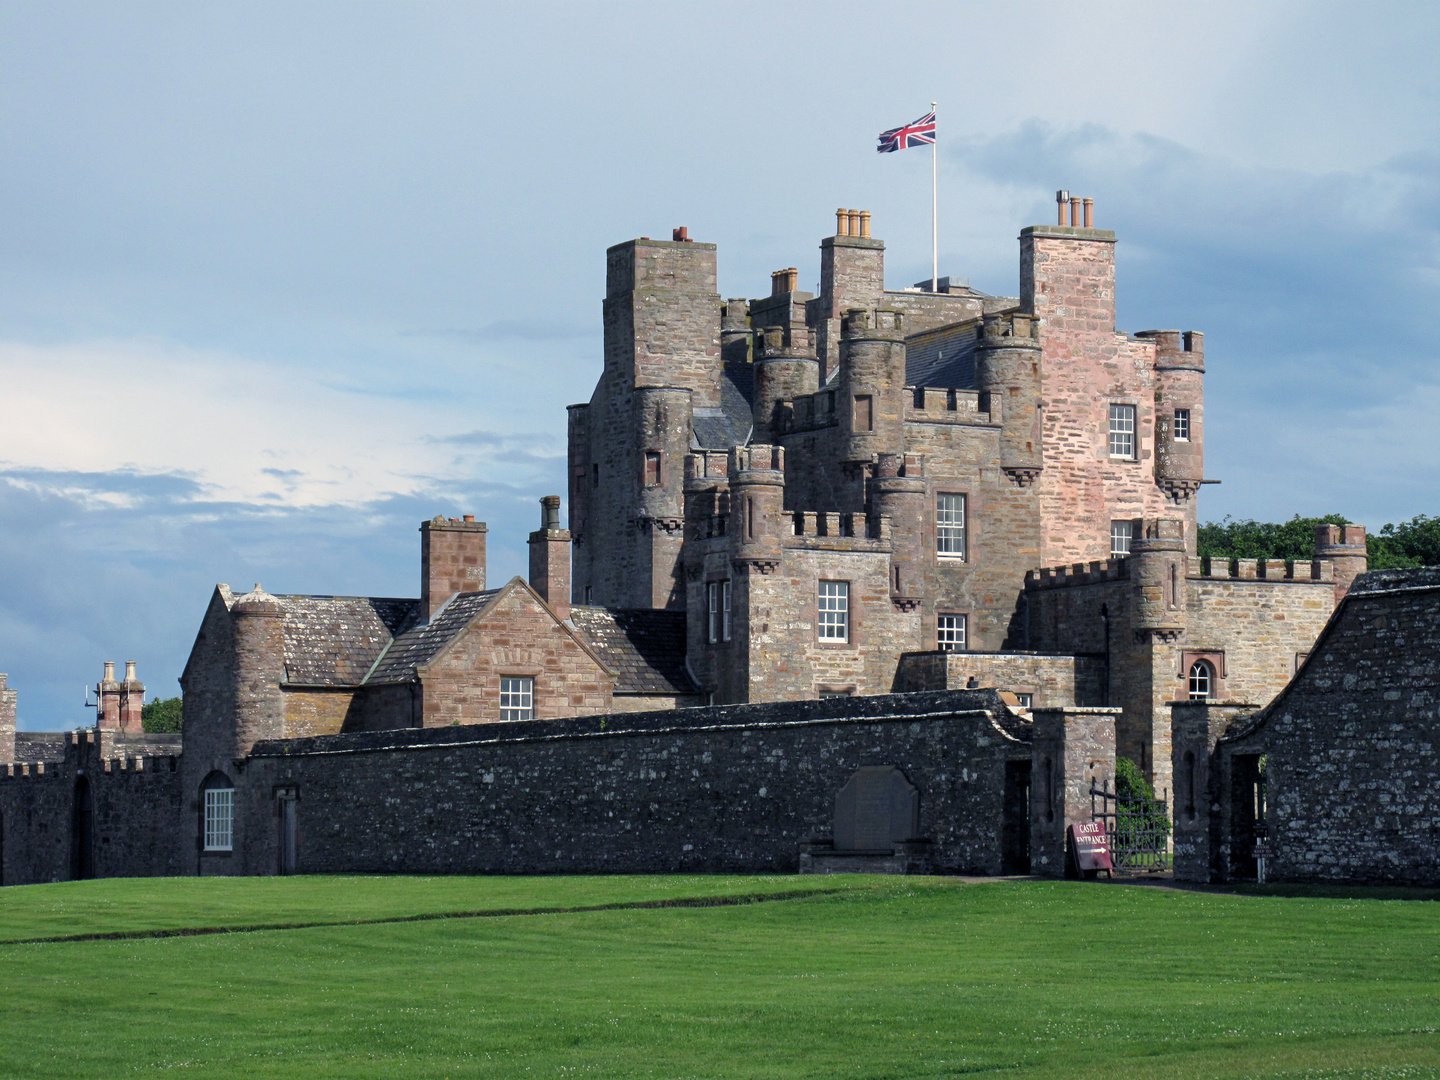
(1091, 846)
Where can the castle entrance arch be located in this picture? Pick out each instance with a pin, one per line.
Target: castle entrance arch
(82, 832)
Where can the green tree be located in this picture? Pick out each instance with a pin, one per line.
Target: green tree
(1411, 543)
(1293, 539)
(161, 715)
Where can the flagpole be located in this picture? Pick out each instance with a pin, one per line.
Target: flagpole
(935, 207)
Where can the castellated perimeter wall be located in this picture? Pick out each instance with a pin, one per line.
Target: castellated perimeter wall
(119, 796)
(717, 790)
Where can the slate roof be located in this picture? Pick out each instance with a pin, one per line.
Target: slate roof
(333, 640)
(729, 425)
(419, 643)
(645, 649)
(944, 357)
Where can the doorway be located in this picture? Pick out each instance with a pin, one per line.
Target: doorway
(82, 832)
(289, 831)
(1015, 819)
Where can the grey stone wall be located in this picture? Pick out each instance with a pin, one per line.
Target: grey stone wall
(727, 789)
(136, 824)
(1352, 746)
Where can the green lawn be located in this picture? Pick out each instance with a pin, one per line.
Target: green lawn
(883, 978)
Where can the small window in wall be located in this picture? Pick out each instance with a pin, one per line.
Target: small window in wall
(833, 603)
(589, 592)
(219, 815)
(1026, 700)
(864, 412)
(652, 468)
(1121, 533)
(1182, 425)
(950, 525)
(1202, 680)
(717, 605)
(835, 691)
(1122, 431)
(950, 633)
(517, 698)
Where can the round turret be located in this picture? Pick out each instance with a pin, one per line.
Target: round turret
(1007, 371)
(872, 381)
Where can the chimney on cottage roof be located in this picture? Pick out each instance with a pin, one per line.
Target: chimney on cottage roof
(452, 560)
(132, 701)
(107, 699)
(550, 558)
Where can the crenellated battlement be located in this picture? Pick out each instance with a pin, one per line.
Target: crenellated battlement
(1303, 571)
(942, 405)
(1061, 577)
(848, 532)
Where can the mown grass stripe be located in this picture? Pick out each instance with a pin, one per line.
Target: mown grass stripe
(484, 913)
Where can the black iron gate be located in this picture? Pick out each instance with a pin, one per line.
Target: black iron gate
(1138, 828)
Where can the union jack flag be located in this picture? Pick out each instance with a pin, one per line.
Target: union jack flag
(917, 133)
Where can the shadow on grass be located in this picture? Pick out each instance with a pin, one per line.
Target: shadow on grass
(487, 913)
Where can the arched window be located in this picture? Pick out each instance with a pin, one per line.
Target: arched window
(217, 808)
(1202, 680)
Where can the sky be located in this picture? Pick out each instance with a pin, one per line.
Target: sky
(279, 281)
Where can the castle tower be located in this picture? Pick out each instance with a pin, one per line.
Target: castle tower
(757, 501)
(628, 445)
(452, 560)
(1100, 390)
(783, 372)
(1007, 370)
(1179, 418)
(897, 492)
(872, 385)
(550, 558)
(1158, 566)
(1344, 546)
(8, 701)
(852, 275)
(259, 669)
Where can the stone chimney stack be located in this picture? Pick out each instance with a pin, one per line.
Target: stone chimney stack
(107, 700)
(452, 560)
(7, 722)
(1344, 546)
(132, 699)
(550, 558)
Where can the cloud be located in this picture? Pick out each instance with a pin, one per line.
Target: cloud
(1307, 285)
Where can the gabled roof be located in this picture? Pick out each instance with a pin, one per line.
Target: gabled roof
(1408, 605)
(334, 640)
(419, 644)
(645, 649)
(943, 357)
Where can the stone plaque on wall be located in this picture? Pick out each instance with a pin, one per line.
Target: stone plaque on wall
(876, 809)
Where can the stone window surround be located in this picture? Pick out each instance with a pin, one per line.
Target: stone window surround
(216, 812)
(1182, 425)
(964, 644)
(851, 639)
(1216, 659)
(1110, 431)
(524, 691)
(717, 610)
(963, 555)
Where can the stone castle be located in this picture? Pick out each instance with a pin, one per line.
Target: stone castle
(973, 515)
